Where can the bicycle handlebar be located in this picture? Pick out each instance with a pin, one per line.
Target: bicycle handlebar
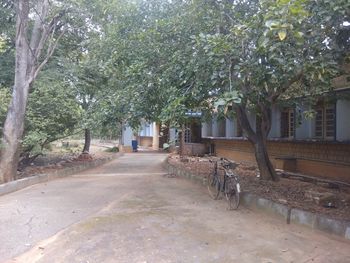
(226, 163)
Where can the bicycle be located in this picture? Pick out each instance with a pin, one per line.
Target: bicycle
(229, 185)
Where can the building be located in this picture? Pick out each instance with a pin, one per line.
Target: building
(144, 136)
(149, 135)
(318, 146)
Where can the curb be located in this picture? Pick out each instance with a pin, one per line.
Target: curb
(284, 212)
(42, 178)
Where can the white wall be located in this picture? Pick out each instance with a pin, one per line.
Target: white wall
(207, 129)
(230, 128)
(275, 131)
(146, 129)
(221, 127)
(304, 129)
(343, 120)
(127, 136)
(215, 128)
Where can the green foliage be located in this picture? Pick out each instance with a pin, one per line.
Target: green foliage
(7, 32)
(53, 113)
(267, 51)
(112, 150)
(163, 58)
(5, 98)
(122, 61)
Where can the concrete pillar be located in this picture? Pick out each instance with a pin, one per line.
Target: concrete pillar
(230, 128)
(221, 126)
(342, 121)
(215, 130)
(204, 129)
(207, 129)
(275, 131)
(155, 144)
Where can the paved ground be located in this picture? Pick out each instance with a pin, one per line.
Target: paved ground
(128, 211)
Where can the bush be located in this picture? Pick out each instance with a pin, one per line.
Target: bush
(113, 150)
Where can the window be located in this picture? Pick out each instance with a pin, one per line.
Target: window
(319, 123)
(193, 131)
(187, 133)
(325, 122)
(287, 123)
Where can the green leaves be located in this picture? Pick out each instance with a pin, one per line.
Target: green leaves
(5, 97)
(52, 113)
(282, 34)
(158, 59)
(272, 24)
(227, 100)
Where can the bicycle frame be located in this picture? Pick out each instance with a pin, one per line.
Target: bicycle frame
(228, 184)
(228, 173)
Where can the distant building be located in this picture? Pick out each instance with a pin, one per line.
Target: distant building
(149, 135)
(144, 136)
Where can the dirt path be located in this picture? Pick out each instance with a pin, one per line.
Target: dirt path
(128, 211)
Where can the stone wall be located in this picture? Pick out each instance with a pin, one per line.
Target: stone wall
(326, 159)
(194, 149)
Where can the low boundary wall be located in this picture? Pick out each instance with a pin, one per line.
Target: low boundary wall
(284, 212)
(42, 178)
(325, 159)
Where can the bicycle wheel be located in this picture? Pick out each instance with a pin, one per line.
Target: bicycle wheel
(232, 190)
(213, 182)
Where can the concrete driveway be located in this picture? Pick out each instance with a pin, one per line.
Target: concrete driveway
(129, 211)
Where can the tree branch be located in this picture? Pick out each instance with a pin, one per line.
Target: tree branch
(230, 69)
(39, 25)
(51, 27)
(50, 51)
(244, 122)
(273, 97)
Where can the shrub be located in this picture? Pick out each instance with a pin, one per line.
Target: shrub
(113, 150)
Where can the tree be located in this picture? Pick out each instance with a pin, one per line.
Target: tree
(250, 54)
(53, 113)
(90, 86)
(152, 60)
(93, 70)
(156, 59)
(34, 46)
(273, 51)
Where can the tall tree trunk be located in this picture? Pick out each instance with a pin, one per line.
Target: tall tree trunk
(266, 169)
(87, 141)
(182, 140)
(258, 139)
(14, 123)
(12, 135)
(27, 67)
